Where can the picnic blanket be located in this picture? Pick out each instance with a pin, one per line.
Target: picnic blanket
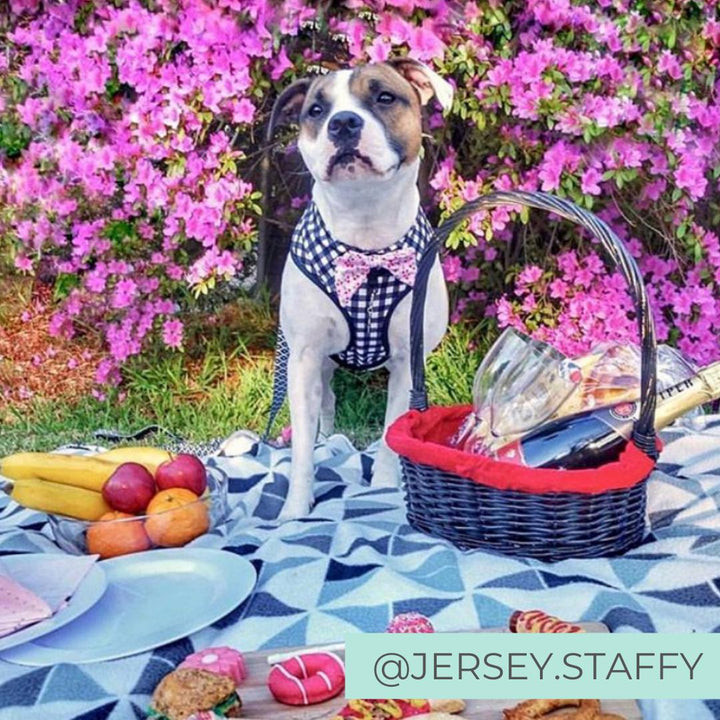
(355, 562)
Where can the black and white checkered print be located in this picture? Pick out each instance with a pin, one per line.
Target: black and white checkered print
(315, 252)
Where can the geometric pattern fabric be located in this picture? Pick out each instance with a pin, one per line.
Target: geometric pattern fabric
(355, 562)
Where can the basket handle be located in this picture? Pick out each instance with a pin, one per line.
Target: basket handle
(644, 429)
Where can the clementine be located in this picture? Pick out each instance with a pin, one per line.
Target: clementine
(175, 517)
(110, 539)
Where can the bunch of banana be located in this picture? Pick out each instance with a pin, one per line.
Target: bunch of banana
(71, 484)
(59, 499)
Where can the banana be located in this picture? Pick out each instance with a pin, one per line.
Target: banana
(82, 471)
(150, 457)
(51, 497)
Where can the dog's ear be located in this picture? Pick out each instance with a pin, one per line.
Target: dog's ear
(286, 109)
(426, 81)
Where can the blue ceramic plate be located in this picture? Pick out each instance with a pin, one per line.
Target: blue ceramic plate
(87, 594)
(152, 598)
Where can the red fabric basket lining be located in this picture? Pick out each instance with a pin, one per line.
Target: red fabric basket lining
(423, 438)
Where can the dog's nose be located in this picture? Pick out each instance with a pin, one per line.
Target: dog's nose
(344, 126)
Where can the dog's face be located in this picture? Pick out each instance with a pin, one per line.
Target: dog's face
(362, 124)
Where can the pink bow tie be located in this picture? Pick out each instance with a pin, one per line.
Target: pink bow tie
(352, 268)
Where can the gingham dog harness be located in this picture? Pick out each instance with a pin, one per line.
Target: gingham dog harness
(365, 286)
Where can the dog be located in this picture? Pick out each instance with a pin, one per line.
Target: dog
(346, 286)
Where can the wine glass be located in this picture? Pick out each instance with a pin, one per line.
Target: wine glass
(476, 426)
(531, 389)
(519, 385)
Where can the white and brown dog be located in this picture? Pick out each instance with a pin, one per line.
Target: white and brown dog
(346, 286)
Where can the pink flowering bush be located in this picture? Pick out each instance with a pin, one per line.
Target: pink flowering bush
(131, 135)
(614, 105)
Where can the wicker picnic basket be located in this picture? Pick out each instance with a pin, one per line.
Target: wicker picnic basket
(477, 502)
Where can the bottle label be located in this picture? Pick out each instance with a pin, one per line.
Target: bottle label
(511, 453)
(620, 417)
(624, 411)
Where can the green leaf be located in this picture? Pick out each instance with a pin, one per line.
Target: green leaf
(65, 283)
(671, 38)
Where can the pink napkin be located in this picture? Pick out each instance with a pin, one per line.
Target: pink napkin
(38, 587)
(19, 607)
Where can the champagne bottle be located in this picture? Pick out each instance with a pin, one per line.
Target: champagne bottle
(595, 437)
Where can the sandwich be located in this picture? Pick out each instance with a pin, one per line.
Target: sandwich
(187, 692)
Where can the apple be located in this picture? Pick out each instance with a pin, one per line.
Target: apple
(129, 489)
(182, 471)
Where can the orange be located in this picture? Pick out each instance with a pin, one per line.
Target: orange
(175, 517)
(110, 539)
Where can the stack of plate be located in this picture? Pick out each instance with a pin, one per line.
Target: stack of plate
(130, 604)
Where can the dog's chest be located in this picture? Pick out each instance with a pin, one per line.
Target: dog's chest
(365, 286)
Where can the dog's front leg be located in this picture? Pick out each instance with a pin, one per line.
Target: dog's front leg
(327, 405)
(386, 471)
(305, 395)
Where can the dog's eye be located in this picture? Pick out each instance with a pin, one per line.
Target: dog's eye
(315, 110)
(386, 98)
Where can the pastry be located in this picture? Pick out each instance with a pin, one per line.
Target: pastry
(383, 709)
(399, 709)
(538, 709)
(219, 660)
(410, 622)
(186, 692)
(537, 621)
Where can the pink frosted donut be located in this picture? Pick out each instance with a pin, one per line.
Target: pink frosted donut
(307, 679)
(410, 622)
(219, 660)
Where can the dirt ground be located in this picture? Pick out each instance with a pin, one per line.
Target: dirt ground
(33, 363)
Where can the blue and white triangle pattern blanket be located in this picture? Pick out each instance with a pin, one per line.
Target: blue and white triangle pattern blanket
(355, 562)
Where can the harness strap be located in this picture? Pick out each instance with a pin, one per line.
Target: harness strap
(280, 381)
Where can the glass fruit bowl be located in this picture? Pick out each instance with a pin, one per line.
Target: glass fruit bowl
(179, 518)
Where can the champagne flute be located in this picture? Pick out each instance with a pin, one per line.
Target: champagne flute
(530, 390)
(472, 432)
(519, 385)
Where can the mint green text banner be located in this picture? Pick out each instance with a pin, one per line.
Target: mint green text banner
(518, 666)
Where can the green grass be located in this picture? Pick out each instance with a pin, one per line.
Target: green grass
(230, 389)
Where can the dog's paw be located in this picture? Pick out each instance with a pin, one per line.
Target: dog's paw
(386, 470)
(298, 504)
(383, 480)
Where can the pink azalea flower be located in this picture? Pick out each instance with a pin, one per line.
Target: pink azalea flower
(394, 27)
(690, 176)
(669, 64)
(173, 333)
(424, 43)
(379, 50)
(124, 294)
(243, 111)
(280, 64)
(529, 275)
(590, 181)
(23, 263)
(452, 268)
